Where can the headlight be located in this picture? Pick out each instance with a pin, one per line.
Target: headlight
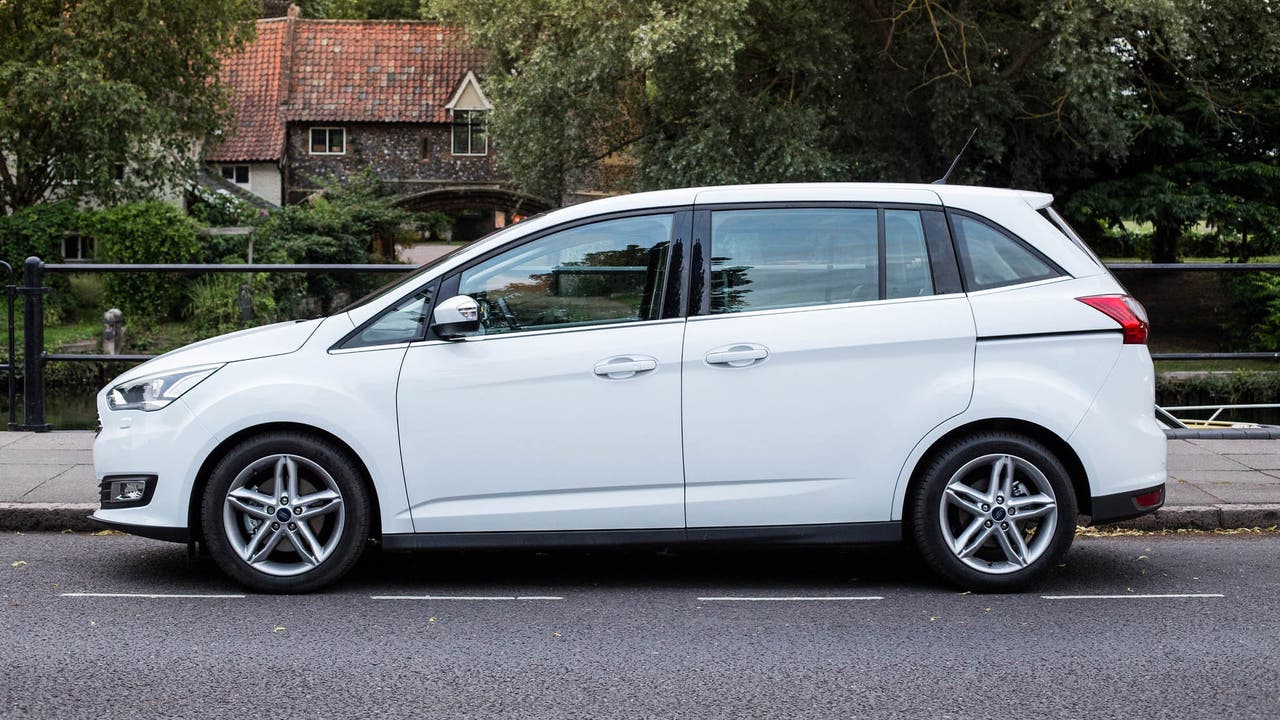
(156, 391)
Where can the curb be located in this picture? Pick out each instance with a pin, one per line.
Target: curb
(1206, 517)
(75, 516)
(47, 516)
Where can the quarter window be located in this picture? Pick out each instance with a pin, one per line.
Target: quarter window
(607, 272)
(328, 141)
(991, 258)
(764, 259)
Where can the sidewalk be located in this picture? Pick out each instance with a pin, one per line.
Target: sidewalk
(47, 483)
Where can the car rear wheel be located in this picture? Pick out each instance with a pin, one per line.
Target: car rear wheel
(994, 512)
(285, 513)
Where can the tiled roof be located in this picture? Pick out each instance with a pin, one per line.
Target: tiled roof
(253, 79)
(340, 71)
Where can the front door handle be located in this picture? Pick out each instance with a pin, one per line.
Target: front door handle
(622, 367)
(738, 355)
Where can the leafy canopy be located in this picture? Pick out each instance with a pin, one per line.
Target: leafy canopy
(90, 85)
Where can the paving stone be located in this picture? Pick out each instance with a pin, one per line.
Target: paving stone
(1208, 461)
(1251, 494)
(1185, 447)
(1258, 462)
(8, 438)
(1184, 493)
(1239, 447)
(18, 480)
(76, 440)
(76, 485)
(1246, 477)
(9, 456)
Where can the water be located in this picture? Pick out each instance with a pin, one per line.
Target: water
(65, 408)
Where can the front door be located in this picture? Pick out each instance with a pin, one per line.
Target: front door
(564, 412)
(827, 346)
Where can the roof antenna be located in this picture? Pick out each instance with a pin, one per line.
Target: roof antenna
(943, 180)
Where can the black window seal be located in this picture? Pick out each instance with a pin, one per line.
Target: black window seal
(966, 270)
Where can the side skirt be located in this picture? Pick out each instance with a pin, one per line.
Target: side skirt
(832, 534)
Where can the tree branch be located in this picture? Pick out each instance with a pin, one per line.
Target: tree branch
(1028, 52)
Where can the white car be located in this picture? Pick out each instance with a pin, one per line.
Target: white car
(802, 364)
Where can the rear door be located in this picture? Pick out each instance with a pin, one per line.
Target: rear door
(826, 342)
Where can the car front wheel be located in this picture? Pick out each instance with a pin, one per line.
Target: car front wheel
(994, 512)
(285, 513)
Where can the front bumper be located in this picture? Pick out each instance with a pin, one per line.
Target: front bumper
(168, 534)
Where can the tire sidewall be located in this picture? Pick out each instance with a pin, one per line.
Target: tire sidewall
(927, 532)
(355, 500)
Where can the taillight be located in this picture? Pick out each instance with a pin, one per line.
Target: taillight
(1124, 310)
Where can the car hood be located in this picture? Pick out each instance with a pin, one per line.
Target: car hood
(278, 339)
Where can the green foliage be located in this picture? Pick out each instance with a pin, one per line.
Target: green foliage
(1253, 316)
(220, 209)
(1228, 388)
(214, 302)
(86, 85)
(352, 223)
(38, 231)
(151, 232)
(361, 9)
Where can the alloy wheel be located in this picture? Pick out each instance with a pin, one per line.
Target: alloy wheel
(998, 513)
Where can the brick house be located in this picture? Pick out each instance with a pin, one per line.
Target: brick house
(316, 100)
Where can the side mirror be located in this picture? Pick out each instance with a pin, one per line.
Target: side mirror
(455, 317)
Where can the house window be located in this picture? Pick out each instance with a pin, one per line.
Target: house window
(117, 171)
(469, 137)
(238, 174)
(328, 141)
(77, 248)
(424, 150)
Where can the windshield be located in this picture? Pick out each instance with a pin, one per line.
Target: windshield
(412, 277)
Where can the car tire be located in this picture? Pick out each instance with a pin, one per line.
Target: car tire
(993, 512)
(271, 542)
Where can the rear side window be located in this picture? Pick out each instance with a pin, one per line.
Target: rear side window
(779, 258)
(992, 258)
(906, 258)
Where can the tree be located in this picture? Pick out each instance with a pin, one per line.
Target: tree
(107, 99)
(775, 90)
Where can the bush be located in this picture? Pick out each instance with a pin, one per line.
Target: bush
(151, 232)
(38, 231)
(214, 306)
(1253, 317)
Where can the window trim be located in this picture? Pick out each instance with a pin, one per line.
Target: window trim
(700, 282)
(248, 173)
(453, 131)
(328, 129)
(966, 271)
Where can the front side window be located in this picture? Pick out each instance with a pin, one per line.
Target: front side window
(328, 141)
(607, 272)
(469, 136)
(991, 258)
(779, 258)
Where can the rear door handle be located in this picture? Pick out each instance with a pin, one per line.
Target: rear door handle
(622, 367)
(738, 355)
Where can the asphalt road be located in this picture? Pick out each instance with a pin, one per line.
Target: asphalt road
(638, 634)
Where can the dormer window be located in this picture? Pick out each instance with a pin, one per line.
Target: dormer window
(469, 109)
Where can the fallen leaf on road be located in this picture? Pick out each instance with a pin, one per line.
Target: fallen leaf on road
(1143, 557)
(934, 617)
(108, 531)
(17, 564)
(555, 634)
(68, 531)
(279, 629)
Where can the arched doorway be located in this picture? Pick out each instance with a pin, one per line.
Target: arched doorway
(476, 210)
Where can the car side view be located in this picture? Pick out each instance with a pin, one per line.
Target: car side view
(802, 364)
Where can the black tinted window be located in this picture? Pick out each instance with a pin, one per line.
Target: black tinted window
(778, 258)
(991, 258)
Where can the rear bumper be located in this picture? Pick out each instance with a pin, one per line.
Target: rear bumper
(1127, 505)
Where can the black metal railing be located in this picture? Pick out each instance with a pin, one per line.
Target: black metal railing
(32, 291)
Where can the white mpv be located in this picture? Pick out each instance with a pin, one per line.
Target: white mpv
(800, 364)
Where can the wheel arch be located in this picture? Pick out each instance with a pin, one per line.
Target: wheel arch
(221, 450)
(1051, 440)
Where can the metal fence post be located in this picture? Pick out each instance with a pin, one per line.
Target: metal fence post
(33, 291)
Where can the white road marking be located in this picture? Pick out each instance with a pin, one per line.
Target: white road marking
(150, 595)
(1131, 595)
(465, 597)
(827, 598)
